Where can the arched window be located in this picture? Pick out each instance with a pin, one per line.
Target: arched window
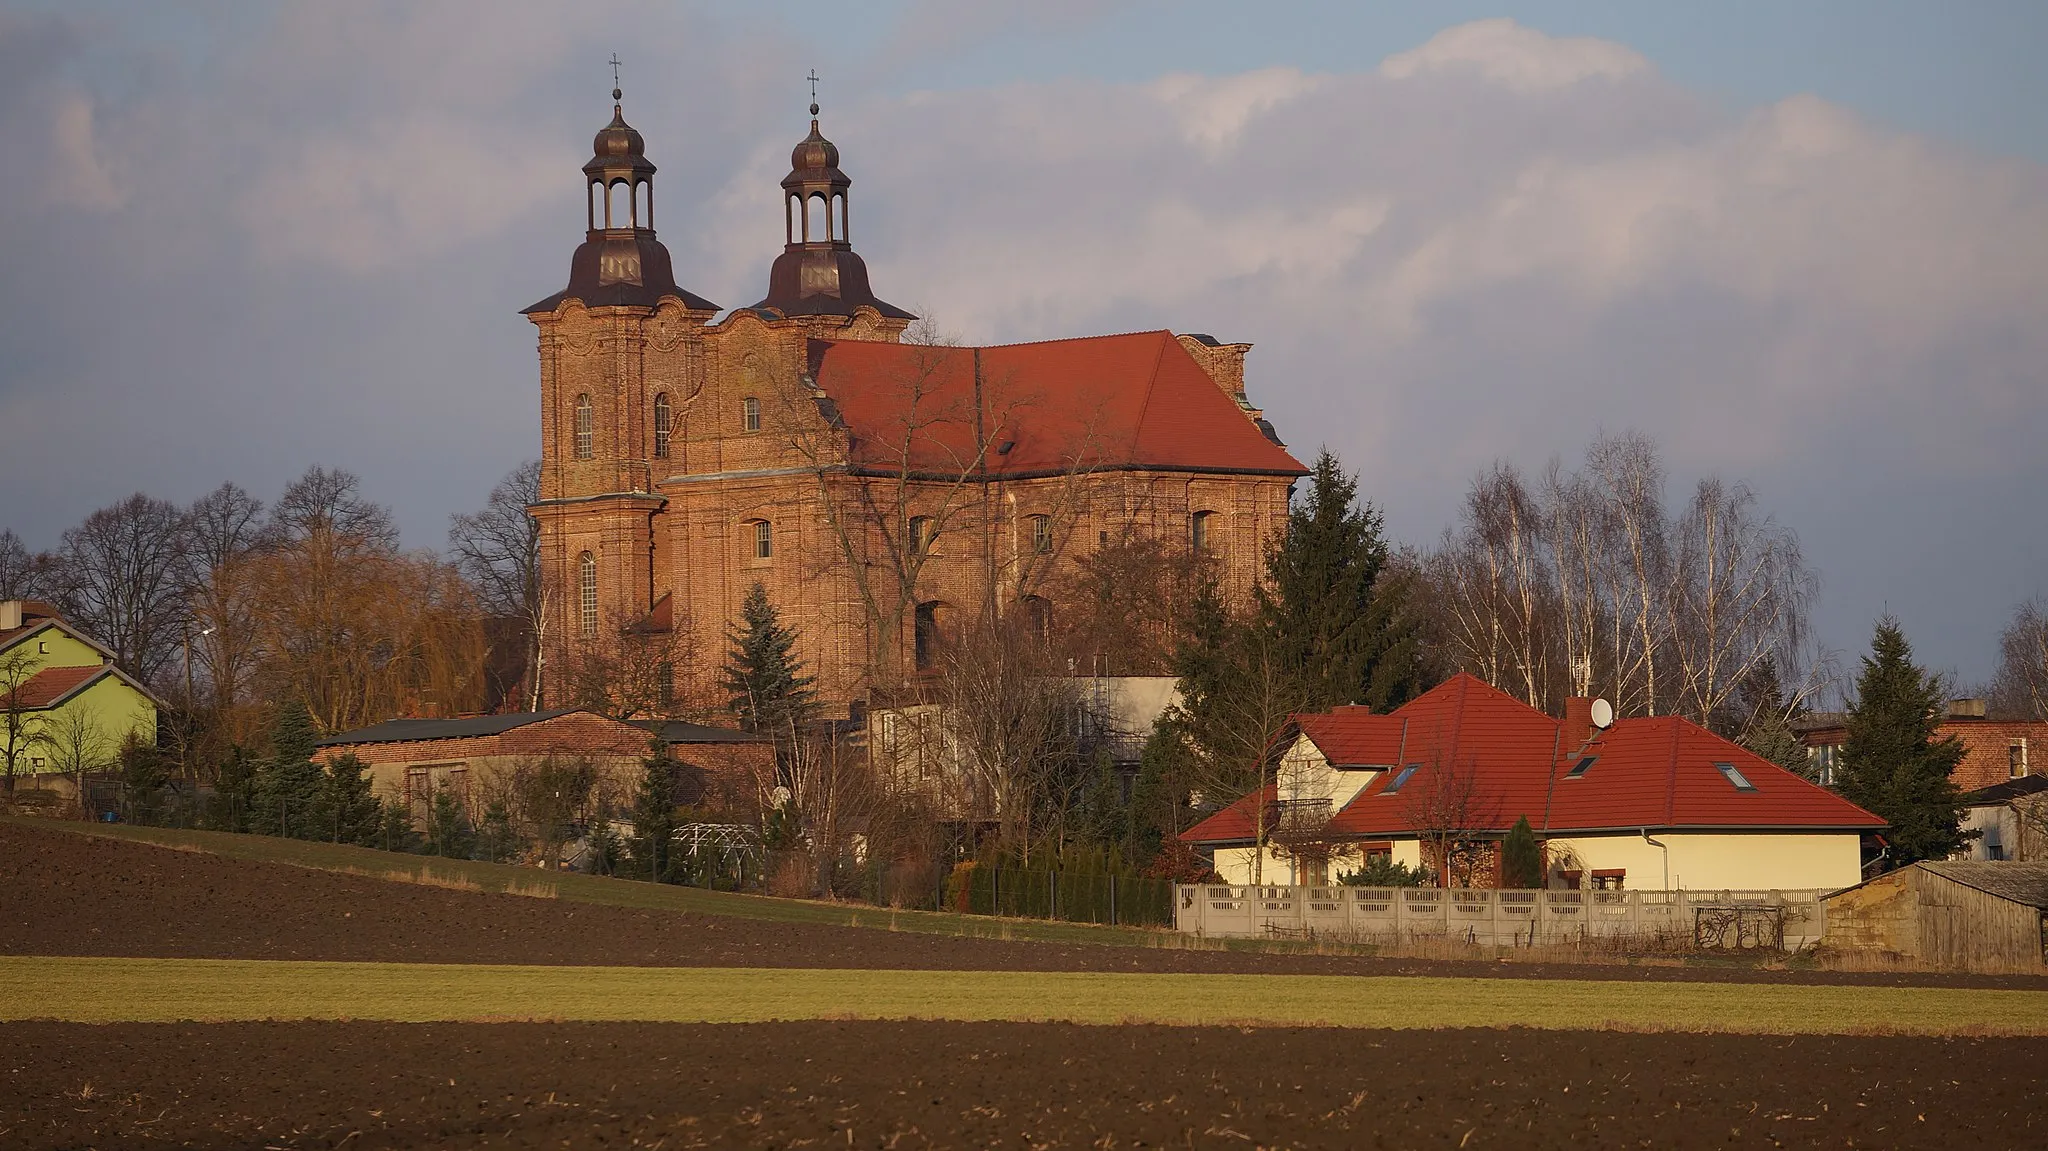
(1041, 535)
(585, 421)
(586, 595)
(764, 540)
(920, 535)
(1038, 617)
(933, 618)
(750, 414)
(1200, 537)
(661, 426)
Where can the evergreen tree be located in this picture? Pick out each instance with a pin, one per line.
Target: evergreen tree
(449, 834)
(654, 820)
(1764, 722)
(145, 769)
(234, 791)
(1342, 630)
(770, 692)
(1892, 765)
(498, 841)
(350, 813)
(1521, 857)
(289, 786)
(606, 848)
(394, 828)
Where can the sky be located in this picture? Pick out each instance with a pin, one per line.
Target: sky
(1801, 246)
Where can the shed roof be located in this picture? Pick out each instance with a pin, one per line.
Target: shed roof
(2007, 791)
(2025, 883)
(410, 730)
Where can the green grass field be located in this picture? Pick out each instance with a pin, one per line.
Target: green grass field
(626, 893)
(212, 990)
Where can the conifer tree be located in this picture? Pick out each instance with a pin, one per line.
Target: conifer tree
(654, 820)
(1892, 764)
(1765, 723)
(449, 833)
(1344, 631)
(1521, 857)
(770, 692)
(289, 786)
(498, 841)
(350, 812)
(394, 828)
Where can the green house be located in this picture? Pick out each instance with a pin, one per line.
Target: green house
(64, 707)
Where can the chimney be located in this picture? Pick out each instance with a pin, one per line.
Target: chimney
(10, 614)
(1578, 720)
(1966, 709)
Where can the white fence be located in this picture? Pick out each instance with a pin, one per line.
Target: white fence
(1713, 919)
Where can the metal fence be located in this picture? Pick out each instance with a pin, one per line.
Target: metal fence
(1701, 919)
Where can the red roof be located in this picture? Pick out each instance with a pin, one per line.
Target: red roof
(1645, 773)
(54, 683)
(1130, 401)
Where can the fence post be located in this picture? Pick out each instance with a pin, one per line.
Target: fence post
(1112, 901)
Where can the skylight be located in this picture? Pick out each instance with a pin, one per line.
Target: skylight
(1400, 779)
(1735, 776)
(1579, 768)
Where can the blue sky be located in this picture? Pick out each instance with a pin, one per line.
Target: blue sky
(1800, 245)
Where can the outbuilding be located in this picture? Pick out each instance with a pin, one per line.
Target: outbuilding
(1964, 915)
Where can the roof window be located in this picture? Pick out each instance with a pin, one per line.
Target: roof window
(1579, 768)
(1734, 775)
(1400, 778)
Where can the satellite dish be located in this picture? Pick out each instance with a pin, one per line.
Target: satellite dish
(780, 795)
(1602, 714)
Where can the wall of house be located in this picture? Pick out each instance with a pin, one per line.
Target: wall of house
(1925, 918)
(1234, 864)
(112, 708)
(51, 647)
(1741, 861)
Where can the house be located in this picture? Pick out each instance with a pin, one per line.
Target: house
(64, 707)
(1654, 802)
(1964, 915)
(1993, 750)
(411, 759)
(882, 489)
(2008, 820)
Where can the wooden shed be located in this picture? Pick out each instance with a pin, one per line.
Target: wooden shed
(1963, 915)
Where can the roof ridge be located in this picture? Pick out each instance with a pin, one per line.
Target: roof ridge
(1013, 344)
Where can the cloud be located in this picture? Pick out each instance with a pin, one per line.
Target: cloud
(1503, 52)
(1484, 248)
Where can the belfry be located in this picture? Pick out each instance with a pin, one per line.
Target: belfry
(880, 492)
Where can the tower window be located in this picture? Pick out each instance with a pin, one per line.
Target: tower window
(586, 595)
(764, 540)
(920, 535)
(585, 421)
(929, 634)
(1041, 535)
(1038, 617)
(661, 426)
(1198, 530)
(750, 414)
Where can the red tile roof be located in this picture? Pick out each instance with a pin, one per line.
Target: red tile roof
(54, 683)
(1646, 773)
(1129, 401)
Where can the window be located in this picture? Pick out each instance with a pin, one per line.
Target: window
(1038, 617)
(1734, 775)
(2016, 757)
(927, 636)
(1198, 530)
(1579, 768)
(586, 594)
(750, 414)
(584, 423)
(1041, 535)
(661, 426)
(1401, 778)
(1609, 878)
(920, 535)
(764, 540)
(1823, 758)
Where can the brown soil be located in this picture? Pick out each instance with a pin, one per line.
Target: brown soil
(72, 894)
(915, 1085)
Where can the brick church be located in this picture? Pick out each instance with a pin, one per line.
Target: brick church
(885, 490)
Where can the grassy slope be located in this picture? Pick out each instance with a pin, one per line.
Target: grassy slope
(166, 990)
(615, 892)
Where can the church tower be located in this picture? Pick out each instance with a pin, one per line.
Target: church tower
(818, 274)
(620, 349)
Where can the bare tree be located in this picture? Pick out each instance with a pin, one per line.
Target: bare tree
(1124, 605)
(23, 726)
(1015, 728)
(498, 551)
(2020, 688)
(23, 575)
(123, 575)
(1229, 733)
(227, 528)
(78, 745)
(1627, 475)
(551, 796)
(1494, 587)
(629, 670)
(1454, 816)
(332, 499)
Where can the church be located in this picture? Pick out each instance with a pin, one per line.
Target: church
(885, 490)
